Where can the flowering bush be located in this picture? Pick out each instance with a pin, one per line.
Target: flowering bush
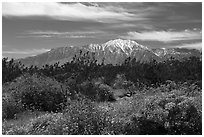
(79, 118)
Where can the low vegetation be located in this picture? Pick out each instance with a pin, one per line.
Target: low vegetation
(86, 98)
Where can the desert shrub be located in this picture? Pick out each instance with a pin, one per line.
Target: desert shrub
(15, 131)
(10, 107)
(85, 119)
(131, 127)
(21, 124)
(79, 118)
(152, 120)
(96, 91)
(104, 93)
(87, 88)
(184, 119)
(171, 85)
(37, 92)
(145, 126)
(48, 124)
(194, 90)
(152, 109)
(174, 112)
(36, 126)
(171, 113)
(122, 83)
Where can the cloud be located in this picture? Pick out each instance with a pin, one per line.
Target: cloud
(4, 46)
(57, 34)
(68, 11)
(80, 36)
(138, 26)
(61, 33)
(165, 36)
(197, 45)
(26, 52)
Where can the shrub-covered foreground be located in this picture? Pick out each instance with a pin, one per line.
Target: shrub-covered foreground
(171, 108)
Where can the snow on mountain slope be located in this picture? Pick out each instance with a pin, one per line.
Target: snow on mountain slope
(118, 46)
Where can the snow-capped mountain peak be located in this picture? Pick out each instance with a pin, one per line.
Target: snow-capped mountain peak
(117, 46)
(120, 43)
(127, 46)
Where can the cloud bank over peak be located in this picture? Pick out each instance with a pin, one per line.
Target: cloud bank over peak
(165, 36)
(197, 45)
(70, 11)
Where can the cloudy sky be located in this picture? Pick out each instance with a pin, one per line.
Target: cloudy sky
(33, 28)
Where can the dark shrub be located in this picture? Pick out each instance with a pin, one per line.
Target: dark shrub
(96, 92)
(184, 119)
(131, 128)
(104, 93)
(122, 83)
(148, 126)
(10, 107)
(170, 113)
(10, 69)
(38, 92)
(87, 88)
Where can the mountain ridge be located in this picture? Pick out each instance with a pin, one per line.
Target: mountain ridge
(113, 51)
